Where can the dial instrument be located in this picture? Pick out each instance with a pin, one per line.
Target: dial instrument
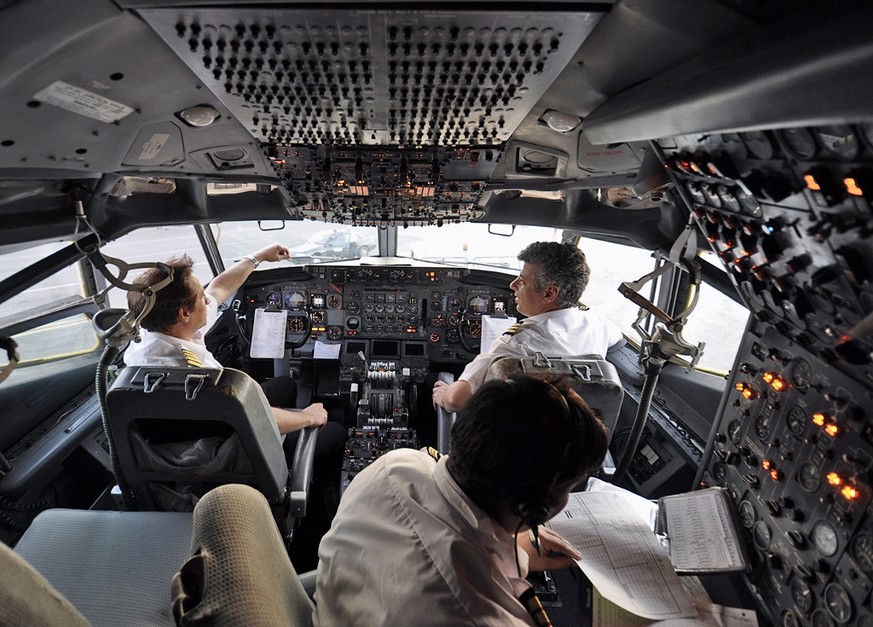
(824, 537)
(746, 513)
(800, 374)
(838, 602)
(762, 535)
(295, 301)
(273, 298)
(762, 428)
(759, 144)
(474, 328)
(796, 421)
(862, 551)
(808, 476)
(479, 305)
(334, 301)
(735, 431)
(438, 320)
(802, 595)
(297, 324)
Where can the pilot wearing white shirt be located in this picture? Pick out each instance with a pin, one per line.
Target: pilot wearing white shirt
(547, 290)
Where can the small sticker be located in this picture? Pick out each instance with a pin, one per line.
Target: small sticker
(83, 102)
(153, 146)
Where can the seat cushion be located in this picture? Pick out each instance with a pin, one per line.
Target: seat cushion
(116, 568)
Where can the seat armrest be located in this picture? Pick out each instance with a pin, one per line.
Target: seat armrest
(445, 419)
(301, 471)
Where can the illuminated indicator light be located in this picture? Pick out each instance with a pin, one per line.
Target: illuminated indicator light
(766, 464)
(696, 168)
(834, 479)
(775, 474)
(740, 386)
(768, 377)
(749, 393)
(778, 384)
(852, 186)
(819, 419)
(832, 429)
(811, 183)
(850, 493)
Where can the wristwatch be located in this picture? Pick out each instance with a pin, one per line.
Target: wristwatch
(253, 259)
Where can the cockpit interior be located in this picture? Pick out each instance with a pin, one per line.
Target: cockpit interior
(712, 158)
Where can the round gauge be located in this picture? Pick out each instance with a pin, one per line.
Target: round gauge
(295, 301)
(453, 320)
(820, 618)
(711, 196)
(838, 602)
(749, 203)
(761, 535)
(824, 537)
(800, 141)
(334, 332)
(728, 200)
(840, 140)
(789, 619)
(719, 472)
(334, 301)
(746, 512)
(796, 421)
(353, 322)
(862, 551)
(455, 304)
(400, 308)
(695, 193)
(317, 301)
(297, 324)
(800, 374)
(273, 298)
(436, 297)
(479, 305)
(802, 595)
(474, 328)
(353, 307)
(735, 431)
(867, 133)
(759, 144)
(808, 476)
(452, 336)
(762, 428)
(438, 320)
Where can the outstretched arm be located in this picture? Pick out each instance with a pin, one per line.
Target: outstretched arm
(288, 421)
(451, 396)
(229, 281)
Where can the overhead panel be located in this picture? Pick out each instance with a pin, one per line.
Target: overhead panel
(366, 114)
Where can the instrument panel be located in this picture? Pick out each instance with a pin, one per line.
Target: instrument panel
(790, 214)
(434, 313)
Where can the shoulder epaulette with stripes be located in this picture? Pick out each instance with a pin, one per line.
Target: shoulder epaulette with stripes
(433, 453)
(191, 358)
(513, 329)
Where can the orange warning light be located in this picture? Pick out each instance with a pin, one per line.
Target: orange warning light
(850, 493)
(834, 479)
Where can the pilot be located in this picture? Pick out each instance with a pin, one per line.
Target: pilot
(547, 290)
(173, 335)
(424, 539)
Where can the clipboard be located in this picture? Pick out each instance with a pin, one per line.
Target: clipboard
(699, 531)
(268, 334)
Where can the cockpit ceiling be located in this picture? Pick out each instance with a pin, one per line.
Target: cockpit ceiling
(375, 117)
(374, 78)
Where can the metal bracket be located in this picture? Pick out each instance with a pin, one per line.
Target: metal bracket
(192, 390)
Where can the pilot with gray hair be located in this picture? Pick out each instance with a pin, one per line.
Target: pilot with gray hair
(547, 291)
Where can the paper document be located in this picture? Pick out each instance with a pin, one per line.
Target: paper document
(622, 557)
(268, 334)
(700, 530)
(323, 350)
(493, 328)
